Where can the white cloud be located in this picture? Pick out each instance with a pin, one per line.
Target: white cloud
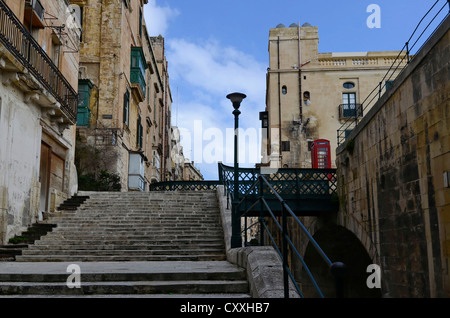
(207, 72)
(202, 73)
(214, 68)
(157, 18)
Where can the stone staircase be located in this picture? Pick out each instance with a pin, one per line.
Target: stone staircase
(169, 243)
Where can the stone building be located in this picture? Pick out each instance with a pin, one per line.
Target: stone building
(310, 94)
(125, 98)
(177, 155)
(38, 109)
(190, 172)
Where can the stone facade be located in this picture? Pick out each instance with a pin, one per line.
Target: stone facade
(393, 172)
(190, 172)
(128, 105)
(305, 93)
(38, 69)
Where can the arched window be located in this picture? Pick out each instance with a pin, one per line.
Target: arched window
(284, 90)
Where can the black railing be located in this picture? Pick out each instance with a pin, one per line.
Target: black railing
(184, 186)
(350, 111)
(21, 44)
(289, 182)
(403, 58)
(263, 187)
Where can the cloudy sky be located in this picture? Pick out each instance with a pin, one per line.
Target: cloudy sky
(218, 47)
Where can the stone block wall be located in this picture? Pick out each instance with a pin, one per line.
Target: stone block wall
(391, 173)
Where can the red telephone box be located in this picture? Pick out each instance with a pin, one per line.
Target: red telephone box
(320, 154)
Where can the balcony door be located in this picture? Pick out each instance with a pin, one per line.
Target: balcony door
(349, 104)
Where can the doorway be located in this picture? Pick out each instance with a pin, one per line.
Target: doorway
(44, 178)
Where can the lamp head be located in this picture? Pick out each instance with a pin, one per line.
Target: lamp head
(236, 99)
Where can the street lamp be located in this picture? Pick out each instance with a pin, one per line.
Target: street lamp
(236, 240)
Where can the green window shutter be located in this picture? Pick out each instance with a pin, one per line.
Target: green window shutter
(138, 67)
(84, 112)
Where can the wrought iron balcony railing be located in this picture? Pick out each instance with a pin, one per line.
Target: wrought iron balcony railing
(21, 44)
(350, 111)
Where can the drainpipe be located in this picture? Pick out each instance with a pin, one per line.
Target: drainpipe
(279, 102)
(300, 75)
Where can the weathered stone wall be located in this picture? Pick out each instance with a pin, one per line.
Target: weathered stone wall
(28, 120)
(391, 173)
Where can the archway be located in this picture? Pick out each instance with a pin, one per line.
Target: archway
(340, 245)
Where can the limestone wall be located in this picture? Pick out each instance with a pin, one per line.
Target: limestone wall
(391, 173)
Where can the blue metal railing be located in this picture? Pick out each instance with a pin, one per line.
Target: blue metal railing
(264, 188)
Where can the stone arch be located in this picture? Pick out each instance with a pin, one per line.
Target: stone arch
(339, 244)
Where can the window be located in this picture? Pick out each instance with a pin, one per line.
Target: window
(389, 84)
(80, 19)
(264, 117)
(306, 95)
(34, 14)
(284, 90)
(349, 85)
(140, 22)
(126, 108)
(285, 146)
(138, 67)
(140, 132)
(348, 107)
(156, 160)
(349, 98)
(347, 132)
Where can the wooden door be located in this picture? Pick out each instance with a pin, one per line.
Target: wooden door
(44, 176)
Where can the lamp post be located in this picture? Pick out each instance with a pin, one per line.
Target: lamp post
(236, 240)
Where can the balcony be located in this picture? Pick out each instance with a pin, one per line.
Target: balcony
(138, 82)
(350, 111)
(34, 13)
(137, 71)
(16, 39)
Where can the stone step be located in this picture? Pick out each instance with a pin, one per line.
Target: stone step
(133, 296)
(148, 279)
(127, 287)
(118, 258)
(122, 246)
(127, 252)
(142, 275)
(126, 229)
(151, 236)
(111, 240)
(131, 218)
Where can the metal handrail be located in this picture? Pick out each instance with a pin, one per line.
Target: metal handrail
(354, 109)
(352, 122)
(21, 44)
(184, 186)
(254, 182)
(336, 268)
